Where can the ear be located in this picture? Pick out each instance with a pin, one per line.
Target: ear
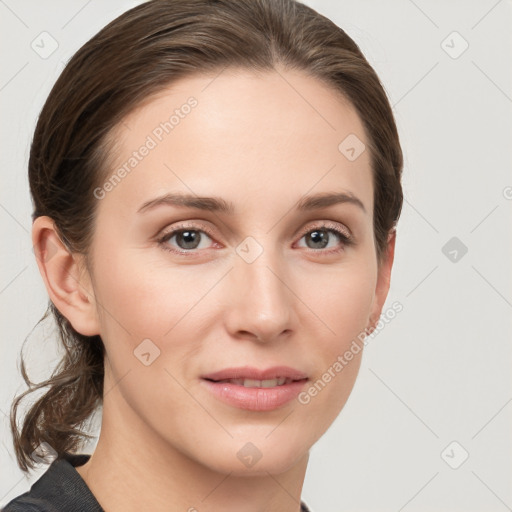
(383, 281)
(65, 276)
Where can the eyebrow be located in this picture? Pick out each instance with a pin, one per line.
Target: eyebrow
(217, 204)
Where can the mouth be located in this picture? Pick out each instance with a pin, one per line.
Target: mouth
(249, 373)
(256, 390)
(253, 383)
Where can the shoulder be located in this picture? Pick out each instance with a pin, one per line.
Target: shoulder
(27, 503)
(59, 488)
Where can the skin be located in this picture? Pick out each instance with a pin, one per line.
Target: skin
(261, 141)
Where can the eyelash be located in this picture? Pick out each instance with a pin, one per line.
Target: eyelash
(346, 240)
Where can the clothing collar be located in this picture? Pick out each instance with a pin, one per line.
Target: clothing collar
(63, 487)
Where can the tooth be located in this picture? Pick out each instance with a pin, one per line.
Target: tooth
(254, 383)
(251, 383)
(266, 383)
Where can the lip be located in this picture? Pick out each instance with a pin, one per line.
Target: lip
(255, 399)
(249, 372)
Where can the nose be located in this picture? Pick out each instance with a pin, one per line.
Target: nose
(260, 305)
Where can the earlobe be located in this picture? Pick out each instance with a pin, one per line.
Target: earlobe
(383, 281)
(67, 282)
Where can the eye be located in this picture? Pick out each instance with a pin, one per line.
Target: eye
(320, 236)
(187, 238)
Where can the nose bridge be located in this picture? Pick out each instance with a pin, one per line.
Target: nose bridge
(263, 306)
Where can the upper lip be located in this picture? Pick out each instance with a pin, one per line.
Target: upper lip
(248, 372)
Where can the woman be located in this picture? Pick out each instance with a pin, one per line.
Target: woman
(216, 188)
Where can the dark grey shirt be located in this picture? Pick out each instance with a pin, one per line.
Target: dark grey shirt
(62, 489)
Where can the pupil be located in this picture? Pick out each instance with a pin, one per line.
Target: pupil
(319, 236)
(188, 238)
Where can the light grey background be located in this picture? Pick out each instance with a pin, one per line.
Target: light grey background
(440, 371)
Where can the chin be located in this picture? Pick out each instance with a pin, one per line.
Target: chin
(256, 458)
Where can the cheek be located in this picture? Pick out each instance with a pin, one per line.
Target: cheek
(147, 299)
(343, 302)
(342, 299)
(143, 301)
(150, 300)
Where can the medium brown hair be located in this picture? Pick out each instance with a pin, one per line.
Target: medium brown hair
(139, 54)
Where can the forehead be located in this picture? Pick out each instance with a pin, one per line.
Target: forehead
(252, 138)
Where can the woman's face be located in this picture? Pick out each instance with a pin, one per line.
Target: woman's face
(252, 280)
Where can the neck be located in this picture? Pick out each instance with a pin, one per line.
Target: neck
(133, 468)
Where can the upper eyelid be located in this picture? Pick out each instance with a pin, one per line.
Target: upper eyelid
(326, 224)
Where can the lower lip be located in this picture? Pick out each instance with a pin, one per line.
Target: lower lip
(255, 399)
